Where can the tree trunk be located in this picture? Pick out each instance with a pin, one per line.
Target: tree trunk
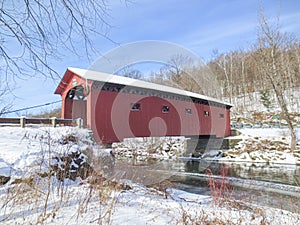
(274, 76)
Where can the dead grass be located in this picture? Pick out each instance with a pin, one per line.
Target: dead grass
(39, 197)
(162, 187)
(219, 216)
(220, 189)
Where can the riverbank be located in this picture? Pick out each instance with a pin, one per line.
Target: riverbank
(85, 204)
(256, 145)
(261, 145)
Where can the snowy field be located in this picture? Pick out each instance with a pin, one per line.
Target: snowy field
(271, 133)
(29, 198)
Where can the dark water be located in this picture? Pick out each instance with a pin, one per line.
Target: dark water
(270, 185)
(284, 174)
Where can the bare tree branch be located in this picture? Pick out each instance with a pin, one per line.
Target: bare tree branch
(34, 34)
(37, 29)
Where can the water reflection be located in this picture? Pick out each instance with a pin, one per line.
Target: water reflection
(256, 183)
(285, 174)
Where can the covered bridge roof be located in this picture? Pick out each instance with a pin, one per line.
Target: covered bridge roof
(115, 79)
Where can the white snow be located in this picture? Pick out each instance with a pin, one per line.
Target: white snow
(270, 133)
(150, 148)
(28, 150)
(140, 205)
(5, 168)
(25, 151)
(246, 105)
(261, 145)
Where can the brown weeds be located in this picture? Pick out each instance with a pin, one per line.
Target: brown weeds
(221, 190)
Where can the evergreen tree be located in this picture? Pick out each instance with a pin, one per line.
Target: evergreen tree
(265, 98)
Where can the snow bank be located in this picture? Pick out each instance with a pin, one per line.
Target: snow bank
(139, 205)
(5, 169)
(261, 145)
(279, 134)
(150, 148)
(25, 151)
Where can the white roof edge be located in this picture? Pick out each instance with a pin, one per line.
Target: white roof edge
(105, 77)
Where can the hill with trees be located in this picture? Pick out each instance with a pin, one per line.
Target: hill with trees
(258, 81)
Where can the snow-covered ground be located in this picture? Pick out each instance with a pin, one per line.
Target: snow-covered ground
(26, 150)
(150, 148)
(261, 145)
(278, 134)
(258, 145)
(245, 106)
(139, 205)
(28, 198)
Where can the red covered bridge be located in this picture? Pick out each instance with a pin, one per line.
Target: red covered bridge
(116, 107)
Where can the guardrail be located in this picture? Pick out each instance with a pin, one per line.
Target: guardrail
(23, 121)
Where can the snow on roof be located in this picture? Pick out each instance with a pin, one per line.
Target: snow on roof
(115, 79)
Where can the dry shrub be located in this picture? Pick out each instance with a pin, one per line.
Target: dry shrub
(221, 190)
(4, 180)
(162, 187)
(201, 217)
(69, 138)
(42, 198)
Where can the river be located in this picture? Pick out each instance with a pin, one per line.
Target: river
(269, 185)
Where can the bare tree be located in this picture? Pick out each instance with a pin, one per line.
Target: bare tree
(223, 67)
(131, 72)
(4, 106)
(184, 73)
(272, 54)
(181, 72)
(32, 32)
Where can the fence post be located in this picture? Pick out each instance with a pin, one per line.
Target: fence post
(79, 122)
(53, 121)
(23, 121)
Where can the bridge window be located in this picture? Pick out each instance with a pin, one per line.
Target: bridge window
(165, 109)
(188, 111)
(206, 113)
(221, 115)
(135, 106)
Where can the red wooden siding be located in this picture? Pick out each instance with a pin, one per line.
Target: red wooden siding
(113, 120)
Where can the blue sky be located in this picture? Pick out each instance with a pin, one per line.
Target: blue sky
(201, 26)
